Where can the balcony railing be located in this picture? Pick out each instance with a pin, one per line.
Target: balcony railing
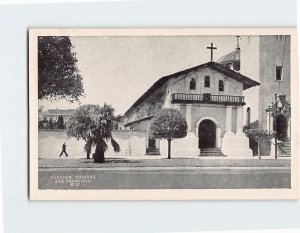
(207, 98)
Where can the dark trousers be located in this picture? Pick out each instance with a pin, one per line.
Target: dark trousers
(62, 153)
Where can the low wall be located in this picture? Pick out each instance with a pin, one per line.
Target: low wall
(50, 145)
(132, 143)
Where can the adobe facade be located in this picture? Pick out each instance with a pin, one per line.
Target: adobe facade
(210, 98)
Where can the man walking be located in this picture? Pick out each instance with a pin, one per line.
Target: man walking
(64, 146)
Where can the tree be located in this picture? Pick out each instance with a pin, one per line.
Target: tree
(93, 124)
(51, 125)
(60, 122)
(58, 75)
(259, 135)
(168, 124)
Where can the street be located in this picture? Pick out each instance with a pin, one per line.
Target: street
(165, 178)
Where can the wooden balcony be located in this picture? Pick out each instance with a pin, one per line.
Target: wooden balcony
(208, 99)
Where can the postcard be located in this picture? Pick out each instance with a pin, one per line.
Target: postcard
(163, 114)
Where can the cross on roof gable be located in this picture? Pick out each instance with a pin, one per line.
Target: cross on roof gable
(211, 51)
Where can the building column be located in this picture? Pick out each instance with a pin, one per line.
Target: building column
(272, 123)
(239, 120)
(228, 127)
(188, 116)
(235, 145)
(268, 122)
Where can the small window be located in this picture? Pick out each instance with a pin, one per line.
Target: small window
(207, 81)
(221, 85)
(278, 73)
(192, 84)
(248, 120)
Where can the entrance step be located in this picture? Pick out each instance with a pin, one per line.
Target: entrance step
(285, 149)
(212, 152)
(152, 151)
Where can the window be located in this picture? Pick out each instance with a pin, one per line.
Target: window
(207, 81)
(278, 73)
(221, 85)
(248, 120)
(192, 84)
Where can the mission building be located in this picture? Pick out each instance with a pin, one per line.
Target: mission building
(210, 97)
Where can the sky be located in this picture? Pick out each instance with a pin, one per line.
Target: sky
(118, 70)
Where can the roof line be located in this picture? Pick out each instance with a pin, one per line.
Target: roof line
(247, 82)
(138, 120)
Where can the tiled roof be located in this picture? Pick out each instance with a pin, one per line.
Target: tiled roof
(247, 82)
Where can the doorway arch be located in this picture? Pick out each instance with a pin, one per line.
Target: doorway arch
(208, 131)
(207, 134)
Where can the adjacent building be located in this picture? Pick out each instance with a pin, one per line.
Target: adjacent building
(268, 107)
(275, 76)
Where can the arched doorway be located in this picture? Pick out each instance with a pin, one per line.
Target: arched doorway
(207, 134)
(281, 127)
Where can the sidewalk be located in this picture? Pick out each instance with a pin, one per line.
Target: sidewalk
(163, 163)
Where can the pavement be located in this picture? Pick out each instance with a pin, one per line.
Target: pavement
(179, 173)
(162, 162)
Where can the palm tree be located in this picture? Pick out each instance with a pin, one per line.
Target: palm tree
(93, 124)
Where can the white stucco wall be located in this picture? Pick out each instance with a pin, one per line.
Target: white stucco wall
(132, 143)
(50, 145)
(182, 84)
(196, 111)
